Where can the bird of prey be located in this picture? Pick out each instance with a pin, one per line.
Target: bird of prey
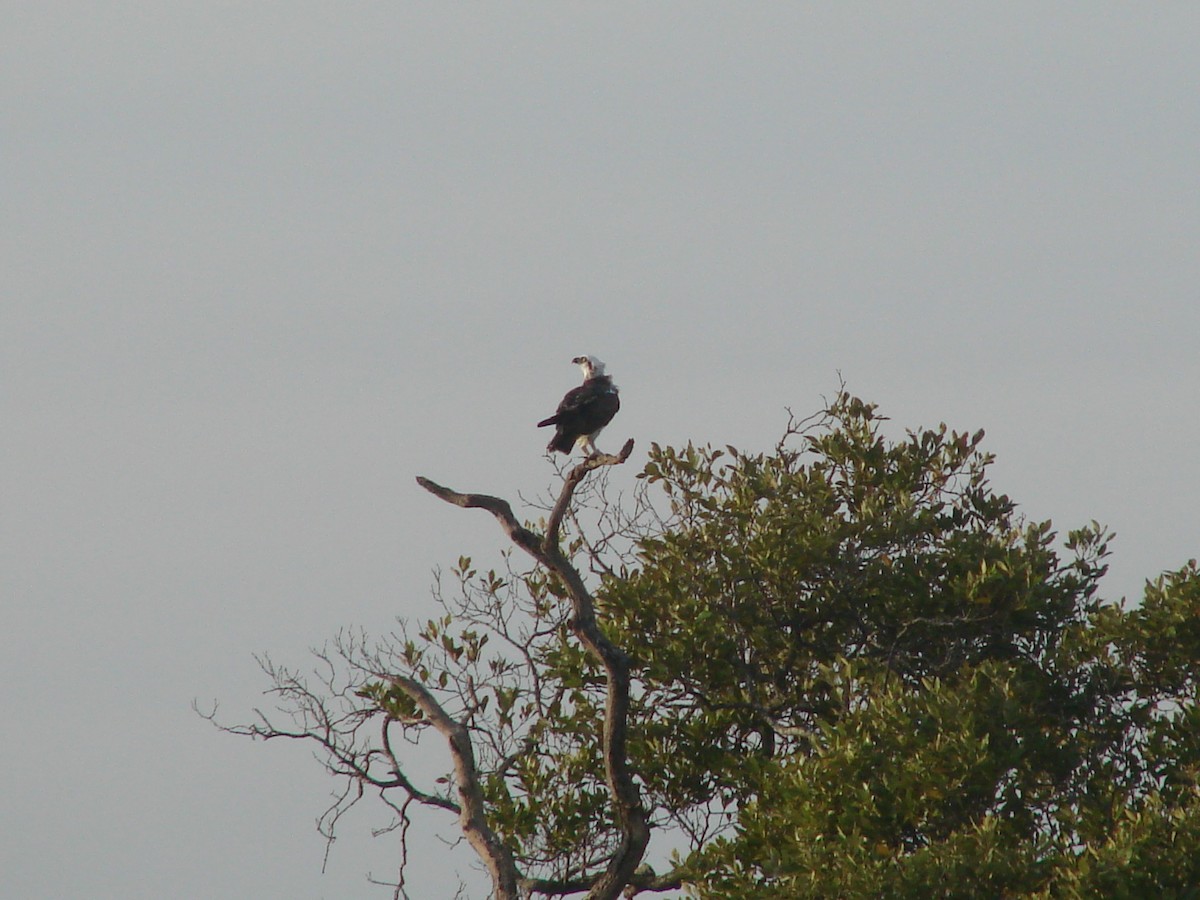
(585, 410)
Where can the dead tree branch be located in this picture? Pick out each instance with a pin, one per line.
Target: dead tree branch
(472, 817)
(628, 812)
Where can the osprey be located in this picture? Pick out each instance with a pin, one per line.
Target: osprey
(585, 410)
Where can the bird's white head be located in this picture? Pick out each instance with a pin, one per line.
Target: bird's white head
(590, 365)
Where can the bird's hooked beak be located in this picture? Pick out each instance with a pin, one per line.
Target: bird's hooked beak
(590, 366)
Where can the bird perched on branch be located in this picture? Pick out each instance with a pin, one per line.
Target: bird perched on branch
(585, 410)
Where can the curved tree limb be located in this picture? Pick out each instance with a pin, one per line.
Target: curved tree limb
(401, 780)
(628, 812)
(574, 477)
(472, 818)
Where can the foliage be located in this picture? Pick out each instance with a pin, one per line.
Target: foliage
(857, 671)
(903, 686)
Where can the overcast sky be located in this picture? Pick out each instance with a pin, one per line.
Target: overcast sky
(263, 263)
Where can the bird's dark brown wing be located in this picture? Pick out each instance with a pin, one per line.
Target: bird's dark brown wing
(583, 410)
(602, 408)
(574, 400)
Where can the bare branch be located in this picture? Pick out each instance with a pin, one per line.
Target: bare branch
(401, 780)
(333, 718)
(472, 816)
(520, 535)
(631, 819)
(572, 481)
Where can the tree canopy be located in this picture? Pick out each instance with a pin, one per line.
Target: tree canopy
(844, 667)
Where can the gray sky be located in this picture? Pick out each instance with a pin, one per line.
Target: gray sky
(264, 263)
